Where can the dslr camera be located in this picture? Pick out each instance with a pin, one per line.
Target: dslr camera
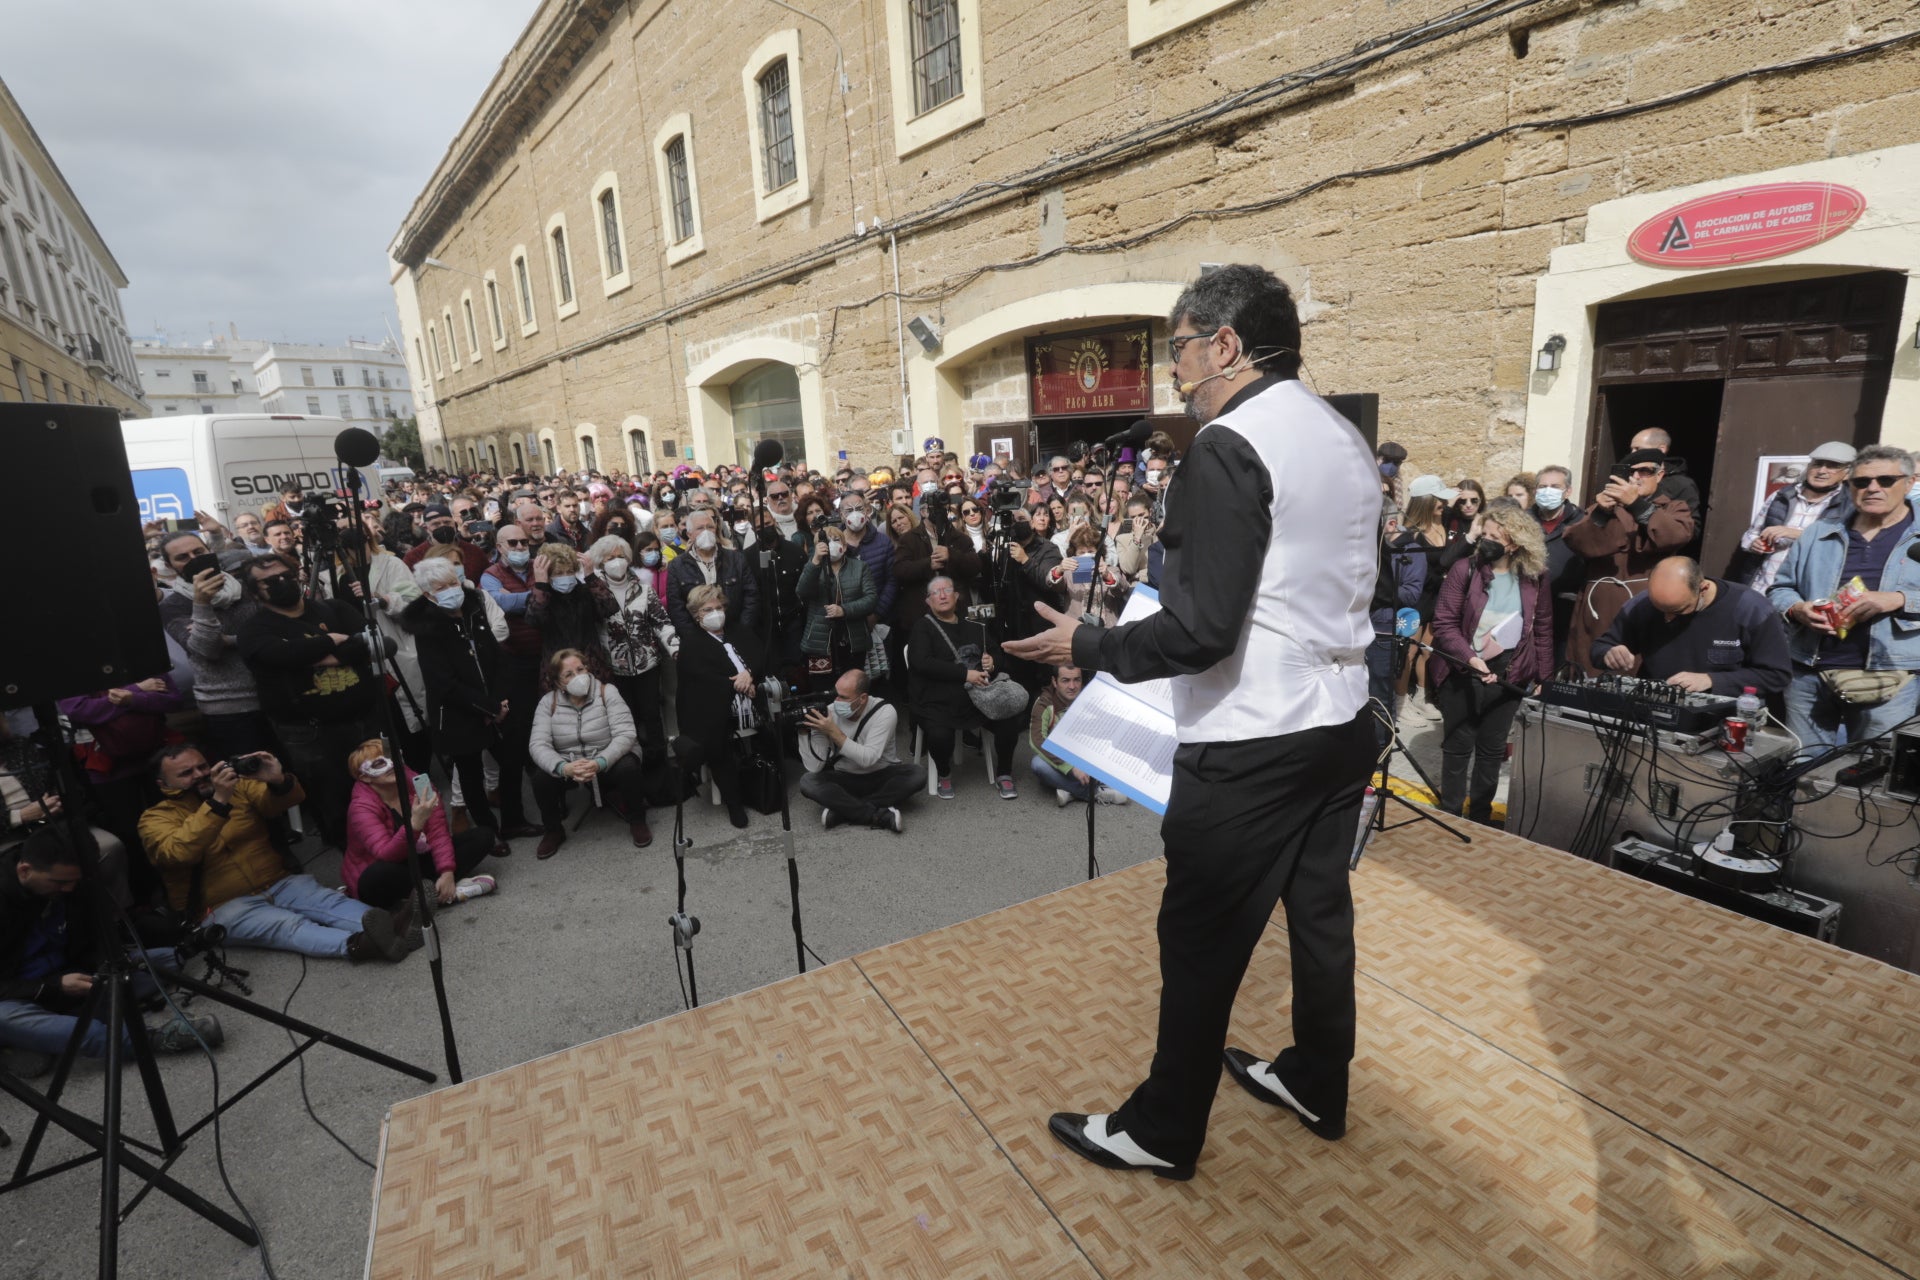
(245, 766)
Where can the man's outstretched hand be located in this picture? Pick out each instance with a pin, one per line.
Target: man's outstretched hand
(1052, 647)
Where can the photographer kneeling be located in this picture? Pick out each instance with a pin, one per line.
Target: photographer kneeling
(853, 771)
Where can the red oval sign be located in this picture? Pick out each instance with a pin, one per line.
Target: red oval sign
(1748, 225)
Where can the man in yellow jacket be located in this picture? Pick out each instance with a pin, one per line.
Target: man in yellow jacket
(208, 839)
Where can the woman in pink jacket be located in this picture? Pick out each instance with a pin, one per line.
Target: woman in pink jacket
(374, 868)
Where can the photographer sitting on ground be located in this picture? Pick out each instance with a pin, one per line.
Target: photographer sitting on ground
(375, 869)
(853, 771)
(1068, 783)
(49, 952)
(946, 658)
(582, 733)
(208, 837)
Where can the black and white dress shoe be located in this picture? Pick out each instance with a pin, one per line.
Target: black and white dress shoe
(1258, 1078)
(1089, 1138)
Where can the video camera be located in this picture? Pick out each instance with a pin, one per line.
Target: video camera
(1008, 495)
(320, 515)
(786, 705)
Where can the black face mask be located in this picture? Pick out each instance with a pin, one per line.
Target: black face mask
(1486, 551)
(283, 591)
(444, 534)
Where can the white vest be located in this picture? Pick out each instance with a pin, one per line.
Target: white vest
(1301, 660)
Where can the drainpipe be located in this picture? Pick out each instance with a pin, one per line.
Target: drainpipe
(900, 339)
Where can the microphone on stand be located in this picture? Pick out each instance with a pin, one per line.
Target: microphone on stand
(1133, 437)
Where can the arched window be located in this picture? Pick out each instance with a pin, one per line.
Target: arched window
(553, 466)
(766, 406)
(589, 456)
(519, 458)
(637, 450)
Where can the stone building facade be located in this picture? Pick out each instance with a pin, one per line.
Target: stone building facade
(63, 334)
(858, 227)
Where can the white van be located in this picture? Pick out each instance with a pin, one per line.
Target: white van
(224, 464)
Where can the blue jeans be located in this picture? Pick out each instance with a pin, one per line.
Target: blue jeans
(26, 1025)
(1059, 781)
(1380, 679)
(296, 913)
(1817, 716)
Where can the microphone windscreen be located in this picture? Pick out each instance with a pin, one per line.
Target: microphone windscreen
(357, 447)
(767, 453)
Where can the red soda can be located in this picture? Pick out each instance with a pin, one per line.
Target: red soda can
(1733, 735)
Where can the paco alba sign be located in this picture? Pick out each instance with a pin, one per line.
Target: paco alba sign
(1747, 225)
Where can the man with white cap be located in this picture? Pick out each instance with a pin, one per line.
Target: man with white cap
(1820, 494)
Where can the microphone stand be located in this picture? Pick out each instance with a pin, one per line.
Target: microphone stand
(354, 544)
(679, 760)
(1095, 590)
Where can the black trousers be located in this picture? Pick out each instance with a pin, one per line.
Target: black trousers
(317, 754)
(642, 696)
(472, 772)
(1475, 719)
(622, 780)
(521, 678)
(386, 884)
(1250, 824)
(857, 797)
(1006, 733)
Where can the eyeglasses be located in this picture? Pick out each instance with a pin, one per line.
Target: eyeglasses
(513, 542)
(777, 493)
(969, 511)
(1060, 468)
(1646, 469)
(1885, 482)
(1174, 344)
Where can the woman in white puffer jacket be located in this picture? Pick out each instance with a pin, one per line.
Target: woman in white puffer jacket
(583, 735)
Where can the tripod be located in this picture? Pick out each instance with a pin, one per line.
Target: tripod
(1377, 821)
(682, 756)
(112, 987)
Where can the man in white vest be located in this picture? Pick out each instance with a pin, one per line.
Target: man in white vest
(1270, 540)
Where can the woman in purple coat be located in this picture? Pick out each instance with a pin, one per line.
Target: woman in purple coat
(1492, 636)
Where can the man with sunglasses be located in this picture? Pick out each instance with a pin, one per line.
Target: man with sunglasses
(1853, 667)
(1630, 527)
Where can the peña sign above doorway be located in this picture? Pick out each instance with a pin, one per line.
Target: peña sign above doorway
(1750, 224)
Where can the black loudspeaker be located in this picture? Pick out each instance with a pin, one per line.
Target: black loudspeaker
(84, 616)
(1362, 409)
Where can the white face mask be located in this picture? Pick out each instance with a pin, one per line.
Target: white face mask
(617, 569)
(714, 620)
(835, 550)
(228, 595)
(706, 540)
(856, 520)
(741, 528)
(1549, 497)
(843, 709)
(378, 767)
(581, 685)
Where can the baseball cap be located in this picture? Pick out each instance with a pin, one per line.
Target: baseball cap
(1834, 451)
(437, 510)
(1431, 487)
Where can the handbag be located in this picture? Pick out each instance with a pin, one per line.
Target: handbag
(1865, 688)
(1000, 698)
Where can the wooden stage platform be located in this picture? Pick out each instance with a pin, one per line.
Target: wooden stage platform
(1562, 1072)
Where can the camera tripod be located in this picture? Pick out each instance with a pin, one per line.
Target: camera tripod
(111, 987)
(682, 756)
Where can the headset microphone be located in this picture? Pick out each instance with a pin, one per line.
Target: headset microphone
(1188, 388)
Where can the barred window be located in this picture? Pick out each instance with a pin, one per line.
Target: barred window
(610, 231)
(526, 290)
(562, 273)
(493, 315)
(776, 127)
(679, 189)
(936, 52)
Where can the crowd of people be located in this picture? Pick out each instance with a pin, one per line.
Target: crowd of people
(1818, 613)
(602, 635)
(616, 636)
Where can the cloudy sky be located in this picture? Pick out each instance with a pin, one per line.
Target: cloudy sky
(251, 162)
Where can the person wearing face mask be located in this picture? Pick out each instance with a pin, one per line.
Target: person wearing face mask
(719, 664)
(1631, 526)
(666, 527)
(873, 546)
(1566, 569)
(203, 616)
(1492, 636)
(310, 661)
(375, 868)
(461, 670)
(568, 605)
(1820, 495)
(706, 562)
(443, 531)
(839, 594)
(638, 638)
(584, 736)
(854, 772)
(1028, 579)
(208, 836)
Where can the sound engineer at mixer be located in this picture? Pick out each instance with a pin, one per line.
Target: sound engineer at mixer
(1704, 635)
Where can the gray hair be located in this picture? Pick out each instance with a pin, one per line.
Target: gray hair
(1255, 303)
(527, 507)
(1556, 469)
(936, 581)
(1885, 453)
(434, 574)
(605, 549)
(701, 514)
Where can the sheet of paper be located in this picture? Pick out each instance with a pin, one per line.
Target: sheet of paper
(1123, 734)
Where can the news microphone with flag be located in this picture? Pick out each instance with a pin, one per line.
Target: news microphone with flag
(1133, 437)
(1406, 623)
